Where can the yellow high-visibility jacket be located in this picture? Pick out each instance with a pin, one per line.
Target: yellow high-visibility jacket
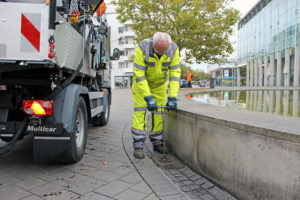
(152, 72)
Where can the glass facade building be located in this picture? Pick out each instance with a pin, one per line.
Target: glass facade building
(268, 43)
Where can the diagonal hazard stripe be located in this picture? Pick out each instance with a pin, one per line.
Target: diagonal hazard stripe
(30, 32)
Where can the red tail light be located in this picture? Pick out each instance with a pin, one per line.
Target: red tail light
(38, 107)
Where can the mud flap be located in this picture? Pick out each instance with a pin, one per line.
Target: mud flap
(51, 149)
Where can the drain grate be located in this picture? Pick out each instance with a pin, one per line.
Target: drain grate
(169, 163)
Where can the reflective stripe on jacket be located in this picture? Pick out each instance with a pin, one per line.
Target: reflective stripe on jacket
(152, 72)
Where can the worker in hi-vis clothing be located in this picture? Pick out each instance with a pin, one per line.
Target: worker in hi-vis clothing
(189, 79)
(156, 64)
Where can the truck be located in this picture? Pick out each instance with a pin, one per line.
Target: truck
(55, 62)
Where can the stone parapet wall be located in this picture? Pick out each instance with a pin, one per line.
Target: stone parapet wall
(249, 161)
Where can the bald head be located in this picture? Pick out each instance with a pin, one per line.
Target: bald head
(161, 42)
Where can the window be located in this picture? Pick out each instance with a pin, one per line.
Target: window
(122, 53)
(121, 41)
(121, 65)
(121, 29)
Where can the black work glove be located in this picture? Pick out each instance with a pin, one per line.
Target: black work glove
(172, 103)
(151, 103)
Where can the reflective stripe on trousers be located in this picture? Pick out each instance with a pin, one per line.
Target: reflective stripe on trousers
(155, 132)
(139, 122)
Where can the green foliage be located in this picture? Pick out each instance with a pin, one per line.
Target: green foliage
(199, 27)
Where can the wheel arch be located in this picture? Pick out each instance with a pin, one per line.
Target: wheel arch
(65, 105)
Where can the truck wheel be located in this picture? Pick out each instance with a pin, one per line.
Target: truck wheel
(103, 118)
(78, 139)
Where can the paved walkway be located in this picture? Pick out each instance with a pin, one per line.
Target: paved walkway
(107, 170)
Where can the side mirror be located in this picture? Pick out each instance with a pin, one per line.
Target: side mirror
(116, 54)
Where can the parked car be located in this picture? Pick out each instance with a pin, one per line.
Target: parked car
(184, 83)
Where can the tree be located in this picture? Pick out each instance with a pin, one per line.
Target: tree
(201, 28)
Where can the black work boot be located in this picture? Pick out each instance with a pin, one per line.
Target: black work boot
(159, 148)
(139, 153)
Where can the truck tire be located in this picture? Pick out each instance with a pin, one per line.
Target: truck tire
(104, 117)
(78, 139)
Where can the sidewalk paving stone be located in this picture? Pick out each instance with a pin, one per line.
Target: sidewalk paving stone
(105, 176)
(81, 169)
(63, 194)
(9, 180)
(207, 197)
(173, 197)
(32, 197)
(142, 187)
(49, 188)
(30, 183)
(130, 195)
(85, 187)
(123, 170)
(113, 188)
(12, 192)
(132, 178)
(151, 197)
(94, 196)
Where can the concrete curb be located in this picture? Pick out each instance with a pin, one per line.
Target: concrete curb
(160, 184)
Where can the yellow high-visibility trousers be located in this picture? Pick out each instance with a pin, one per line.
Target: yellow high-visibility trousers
(139, 123)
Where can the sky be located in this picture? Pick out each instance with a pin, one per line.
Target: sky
(244, 6)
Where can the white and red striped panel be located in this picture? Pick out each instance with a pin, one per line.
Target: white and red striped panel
(24, 31)
(30, 29)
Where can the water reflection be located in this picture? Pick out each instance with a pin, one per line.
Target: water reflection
(281, 102)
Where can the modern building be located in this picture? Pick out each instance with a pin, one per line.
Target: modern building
(122, 37)
(268, 44)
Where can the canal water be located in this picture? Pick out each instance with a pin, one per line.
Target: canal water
(280, 102)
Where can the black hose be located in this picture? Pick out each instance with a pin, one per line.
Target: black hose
(74, 75)
(7, 147)
(52, 15)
